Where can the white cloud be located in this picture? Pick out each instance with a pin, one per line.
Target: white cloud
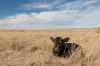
(41, 5)
(83, 19)
(36, 6)
(43, 17)
(89, 19)
(78, 4)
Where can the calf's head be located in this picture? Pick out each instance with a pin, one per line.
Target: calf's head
(59, 45)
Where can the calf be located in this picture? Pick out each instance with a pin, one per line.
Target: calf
(62, 47)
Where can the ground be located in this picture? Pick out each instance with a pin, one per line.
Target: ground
(34, 47)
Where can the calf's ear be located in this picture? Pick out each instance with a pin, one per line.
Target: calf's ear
(52, 39)
(66, 39)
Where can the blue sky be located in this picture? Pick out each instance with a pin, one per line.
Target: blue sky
(37, 14)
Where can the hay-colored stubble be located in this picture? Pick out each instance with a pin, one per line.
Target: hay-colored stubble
(34, 48)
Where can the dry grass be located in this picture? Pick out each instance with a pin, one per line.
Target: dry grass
(33, 48)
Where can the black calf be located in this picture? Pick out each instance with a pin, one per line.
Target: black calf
(62, 47)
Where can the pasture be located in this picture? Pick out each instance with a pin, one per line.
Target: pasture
(34, 47)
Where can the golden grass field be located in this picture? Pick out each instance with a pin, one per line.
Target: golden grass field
(34, 47)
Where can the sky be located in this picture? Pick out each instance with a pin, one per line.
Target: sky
(44, 14)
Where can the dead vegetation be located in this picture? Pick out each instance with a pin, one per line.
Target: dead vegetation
(34, 48)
